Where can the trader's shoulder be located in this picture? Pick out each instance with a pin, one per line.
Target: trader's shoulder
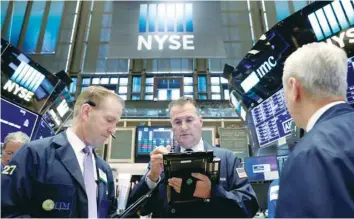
(223, 152)
(44, 144)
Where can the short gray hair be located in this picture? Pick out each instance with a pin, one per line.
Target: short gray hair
(322, 69)
(17, 137)
(183, 101)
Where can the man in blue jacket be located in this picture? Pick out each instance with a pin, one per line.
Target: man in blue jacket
(318, 178)
(61, 176)
(232, 197)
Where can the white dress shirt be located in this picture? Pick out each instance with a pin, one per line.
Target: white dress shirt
(312, 121)
(196, 148)
(78, 146)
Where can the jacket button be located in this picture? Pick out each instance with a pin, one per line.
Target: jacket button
(173, 210)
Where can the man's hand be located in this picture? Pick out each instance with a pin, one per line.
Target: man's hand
(203, 186)
(175, 183)
(156, 162)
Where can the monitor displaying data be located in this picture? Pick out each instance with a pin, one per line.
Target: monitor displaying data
(148, 138)
(261, 168)
(272, 119)
(15, 118)
(350, 91)
(43, 130)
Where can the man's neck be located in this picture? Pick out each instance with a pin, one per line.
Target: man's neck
(79, 133)
(312, 107)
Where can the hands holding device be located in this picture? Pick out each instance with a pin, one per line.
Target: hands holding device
(202, 188)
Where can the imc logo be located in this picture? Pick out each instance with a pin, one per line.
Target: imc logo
(168, 24)
(27, 77)
(331, 19)
(287, 126)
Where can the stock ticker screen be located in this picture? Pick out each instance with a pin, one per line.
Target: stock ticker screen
(272, 119)
(15, 118)
(261, 168)
(350, 91)
(43, 130)
(148, 138)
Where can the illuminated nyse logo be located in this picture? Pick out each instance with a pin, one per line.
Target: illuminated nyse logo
(287, 126)
(332, 19)
(260, 72)
(157, 22)
(24, 82)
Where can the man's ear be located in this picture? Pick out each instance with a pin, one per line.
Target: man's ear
(85, 111)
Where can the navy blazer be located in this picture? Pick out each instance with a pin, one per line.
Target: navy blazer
(318, 178)
(44, 179)
(232, 197)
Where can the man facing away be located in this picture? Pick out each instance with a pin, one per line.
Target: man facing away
(318, 178)
(232, 197)
(61, 176)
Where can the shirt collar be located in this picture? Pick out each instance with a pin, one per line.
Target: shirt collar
(75, 141)
(196, 148)
(314, 118)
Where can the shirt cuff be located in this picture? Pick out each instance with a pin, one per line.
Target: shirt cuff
(150, 183)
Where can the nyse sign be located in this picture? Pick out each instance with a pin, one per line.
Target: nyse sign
(18, 91)
(166, 41)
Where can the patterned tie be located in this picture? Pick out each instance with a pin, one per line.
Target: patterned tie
(90, 183)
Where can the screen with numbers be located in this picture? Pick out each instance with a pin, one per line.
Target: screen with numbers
(350, 92)
(15, 118)
(272, 119)
(150, 137)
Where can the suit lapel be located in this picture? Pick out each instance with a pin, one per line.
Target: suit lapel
(66, 155)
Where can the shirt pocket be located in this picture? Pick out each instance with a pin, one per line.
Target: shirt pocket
(55, 200)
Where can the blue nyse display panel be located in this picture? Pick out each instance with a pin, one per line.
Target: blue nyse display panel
(15, 118)
(43, 130)
(350, 92)
(272, 119)
(262, 168)
(26, 82)
(148, 138)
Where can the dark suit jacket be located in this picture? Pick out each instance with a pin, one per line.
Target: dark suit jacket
(232, 197)
(318, 177)
(47, 172)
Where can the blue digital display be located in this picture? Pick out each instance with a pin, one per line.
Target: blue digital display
(261, 168)
(148, 138)
(15, 118)
(281, 161)
(272, 119)
(43, 130)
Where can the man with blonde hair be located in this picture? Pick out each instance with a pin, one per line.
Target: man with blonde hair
(61, 176)
(318, 177)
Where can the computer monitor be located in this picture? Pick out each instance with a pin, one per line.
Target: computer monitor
(271, 119)
(350, 80)
(150, 137)
(262, 168)
(43, 130)
(15, 118)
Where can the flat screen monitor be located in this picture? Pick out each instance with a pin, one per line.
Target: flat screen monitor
(272, 119)
(281, 161)
(350, 79)
(60, 110)
(261, 168)
(27, 83)
(15, 118)
(43, 130)
(150, 137)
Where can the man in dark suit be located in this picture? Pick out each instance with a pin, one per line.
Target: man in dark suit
(61, 176)
(232, 197)
(318, 178)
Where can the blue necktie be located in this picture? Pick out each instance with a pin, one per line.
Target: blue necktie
(90, 183)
